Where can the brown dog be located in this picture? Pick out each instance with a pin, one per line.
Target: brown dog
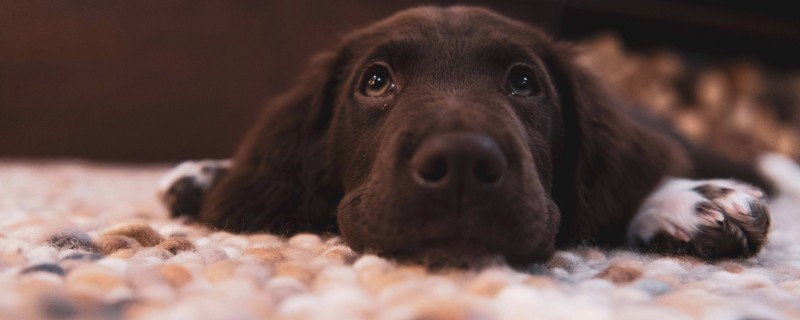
(452, 135)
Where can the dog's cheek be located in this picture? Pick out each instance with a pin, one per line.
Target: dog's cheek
(532, 239)
(547, 234)
(552, 225)
(350, 222)
(355, 216)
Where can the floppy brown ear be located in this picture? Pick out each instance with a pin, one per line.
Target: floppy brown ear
(281, 176)
(608, 163)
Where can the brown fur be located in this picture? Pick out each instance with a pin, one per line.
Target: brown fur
(323, 158)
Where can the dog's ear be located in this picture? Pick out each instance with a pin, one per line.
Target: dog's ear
(281, 178)
(608, 162)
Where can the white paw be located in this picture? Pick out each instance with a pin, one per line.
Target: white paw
(708, 218)
(182, 189)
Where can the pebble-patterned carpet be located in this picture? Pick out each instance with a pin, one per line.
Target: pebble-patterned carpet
(81, 240)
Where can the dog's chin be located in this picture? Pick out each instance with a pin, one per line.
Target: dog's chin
(453, 253)
(449, 253)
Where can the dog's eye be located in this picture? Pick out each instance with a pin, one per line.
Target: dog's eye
(521, 82)
(377, 82)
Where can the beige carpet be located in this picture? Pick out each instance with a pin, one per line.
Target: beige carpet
(80, 240)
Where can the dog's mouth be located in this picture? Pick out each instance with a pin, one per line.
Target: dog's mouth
(511, 223)
(511, 233)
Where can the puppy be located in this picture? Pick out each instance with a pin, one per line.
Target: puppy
(456, 135)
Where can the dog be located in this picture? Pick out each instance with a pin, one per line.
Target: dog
(455, 135)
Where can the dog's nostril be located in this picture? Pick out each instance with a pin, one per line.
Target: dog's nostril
(434, 170)
(487, 172)
(449, 159)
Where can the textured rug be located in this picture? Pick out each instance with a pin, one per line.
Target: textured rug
(82, 240)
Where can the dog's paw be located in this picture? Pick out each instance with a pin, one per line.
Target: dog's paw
(182, 189)
(706, 218)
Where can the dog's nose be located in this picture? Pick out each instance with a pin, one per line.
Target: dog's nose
(452, 158)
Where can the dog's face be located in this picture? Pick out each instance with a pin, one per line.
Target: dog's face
(441, 135)
(444, 133)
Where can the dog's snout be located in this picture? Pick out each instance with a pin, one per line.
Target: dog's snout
(458, 158)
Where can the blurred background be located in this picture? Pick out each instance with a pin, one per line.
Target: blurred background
(166, 80)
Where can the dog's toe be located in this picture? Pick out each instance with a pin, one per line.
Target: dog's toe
(736, 220)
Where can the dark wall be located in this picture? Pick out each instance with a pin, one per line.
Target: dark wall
(168, 80)
(766, 29)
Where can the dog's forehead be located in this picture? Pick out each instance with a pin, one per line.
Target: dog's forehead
(463, 25)
(450, 19)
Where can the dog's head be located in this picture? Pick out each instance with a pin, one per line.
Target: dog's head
(441, 135)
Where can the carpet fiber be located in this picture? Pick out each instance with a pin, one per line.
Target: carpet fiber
(82, 240)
